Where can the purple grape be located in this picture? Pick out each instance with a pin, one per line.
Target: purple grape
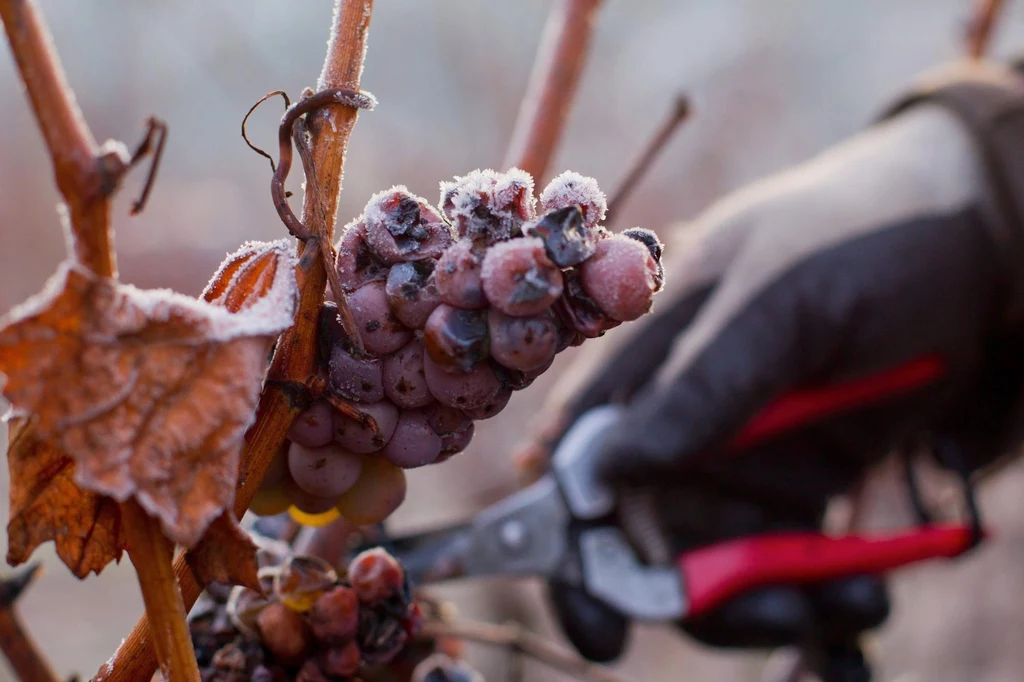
(403, 227)
(404, 382)
(456, 442)
(566, 241)
(453, 426)
(311, 504)
(359, 380)
(522, 343)
(457, 276)
(313, 427)
(649, 239)
(357, 436)
(456, 339)
(579, 312)
(356, 262)
(381, 332)
(414, 443)
(325, 471)
(493, 406)
(621, 277)
(412, 293)
(464, 390)
(519, 278)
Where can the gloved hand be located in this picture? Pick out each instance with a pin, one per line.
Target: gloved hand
(876, 281)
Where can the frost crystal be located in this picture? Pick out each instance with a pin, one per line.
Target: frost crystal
(572, 189)
(488, 204)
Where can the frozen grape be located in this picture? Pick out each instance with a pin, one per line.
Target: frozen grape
(284, 633)
(572, 189)
(313, 428)
(381, 332)
(401, 227)
(375, 575)
(649, 239)
(579, 312)
(412, 293)
(404, 382)
(488, 205)
(356, 262)
(620, 277)
(522, 343)
(414, 443)
(335, 615)
(325, 471)
(493, 406)
(519, 278)
(359, 435)
(456, 339)
(457, 276)
(566, 240)
(379, 491)
(464, 390)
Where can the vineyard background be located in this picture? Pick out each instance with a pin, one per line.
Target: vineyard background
(772, 83)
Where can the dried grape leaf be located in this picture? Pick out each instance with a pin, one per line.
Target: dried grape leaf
(225, 555)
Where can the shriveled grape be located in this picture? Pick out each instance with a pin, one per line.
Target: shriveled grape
(579, 312)
(649, 239)
(414, 443)
(379, 491)
(572, 189)
(326, 471)
(381, 332)
(488, 205)
(284, 633)
(401, 227)
(457, 276)
(620, 277)
(464, 390)
(313, 427)
(493, 406)
(522, 343)
(404, 381)
(566, 240)
(519, 278)
(456, 339)
(375, 575)
(359, 435)
(356, 263)
(412, 292)
(335, 615)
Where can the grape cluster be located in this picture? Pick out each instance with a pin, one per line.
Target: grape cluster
(458, 306)
(310, 625)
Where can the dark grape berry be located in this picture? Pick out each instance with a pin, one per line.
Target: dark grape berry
(414, 443)
(456, 339)
(579, 312)
(573, 189)
(325, 471)
(382, 333)
(284, 634)
(463, 390)
(401, 227)
(375, 576)
(404, 382)
(342, 660)
(493, 406)
(621, 277)
(311, 672)
(359, 380)
(334, 617)
(565, 239)
(519, 278)
(488, 205)
(305, 501)
(359, 435)
(356, 262)
(649, 239)
(514, 379)
(457, 276)
(456, 442)
(412, 293)
(313, 427)
(523, 343)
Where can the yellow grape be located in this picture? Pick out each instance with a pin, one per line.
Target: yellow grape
(378, 492)
(315, 520)
(301, 580)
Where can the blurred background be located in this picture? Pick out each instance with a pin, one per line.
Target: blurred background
(772, 83)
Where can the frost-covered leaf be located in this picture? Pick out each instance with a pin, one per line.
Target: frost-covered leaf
(225, 555)
(47, 505)
(150, 392)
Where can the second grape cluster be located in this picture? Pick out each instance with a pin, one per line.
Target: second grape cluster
(457, 306)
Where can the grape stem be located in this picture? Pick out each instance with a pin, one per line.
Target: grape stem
(520, 640)
(553, 83)
(21, 651)
(981, 25)
(330, 129)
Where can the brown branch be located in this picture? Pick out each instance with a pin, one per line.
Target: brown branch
(330, 129)
(679, 113)
(16, 643)
(556, 73)
(981, 25)
(519, 639)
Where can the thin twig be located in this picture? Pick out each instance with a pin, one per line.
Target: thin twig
(295, 355)
(556, 74)
(520, 639)
(16, 643)
(981, 25)
(680, 112)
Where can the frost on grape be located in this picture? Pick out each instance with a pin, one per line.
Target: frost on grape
(488, 204)
(572, 189)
